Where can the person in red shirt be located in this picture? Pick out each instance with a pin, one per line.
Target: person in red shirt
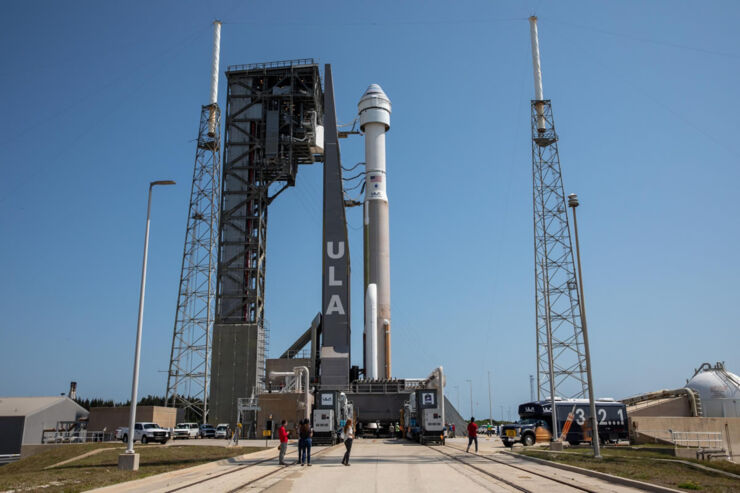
(472, 435)
(283, 435)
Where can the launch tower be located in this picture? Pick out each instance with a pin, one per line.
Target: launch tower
(273, 124)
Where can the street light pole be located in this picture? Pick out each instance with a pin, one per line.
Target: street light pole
(490, 402)
(573, 203)
(471, 397)
(134, 463)
(457, 390)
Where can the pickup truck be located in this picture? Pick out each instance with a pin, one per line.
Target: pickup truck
(146, 432)
(524, 431)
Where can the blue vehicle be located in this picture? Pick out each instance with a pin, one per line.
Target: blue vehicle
(207, 431)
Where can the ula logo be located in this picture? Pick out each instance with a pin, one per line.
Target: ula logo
(335, 302)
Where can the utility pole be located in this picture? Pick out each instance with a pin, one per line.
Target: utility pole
(490, 402)
(471, 398)
(573, 203)
(531, 388)
(129, 460)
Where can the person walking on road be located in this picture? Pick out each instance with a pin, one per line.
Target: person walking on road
(283, 435)
(453, 430)
(348, 434)
(472, 434)
(304, 433)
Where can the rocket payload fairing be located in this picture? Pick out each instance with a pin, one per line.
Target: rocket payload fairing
(375, 120)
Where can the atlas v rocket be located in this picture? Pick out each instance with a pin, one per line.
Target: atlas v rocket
(375, 120)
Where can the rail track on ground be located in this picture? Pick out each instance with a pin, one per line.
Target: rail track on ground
(506, 481)
(241, 468)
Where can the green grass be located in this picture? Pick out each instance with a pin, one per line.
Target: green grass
(641, 464)
(101, 469)
(688, 485)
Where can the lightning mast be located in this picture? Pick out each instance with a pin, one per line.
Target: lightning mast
(189, 374)
(558, 317)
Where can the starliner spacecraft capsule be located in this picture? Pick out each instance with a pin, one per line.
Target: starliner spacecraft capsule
(375, 120)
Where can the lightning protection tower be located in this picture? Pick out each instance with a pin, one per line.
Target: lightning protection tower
(189, 374)
(561, 365)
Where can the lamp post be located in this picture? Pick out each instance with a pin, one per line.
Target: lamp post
(130, 460)
(471, 397)
(490, 402)
(457, 391)
(573, 203)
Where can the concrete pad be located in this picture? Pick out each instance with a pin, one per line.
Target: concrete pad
(383, 465)
(557, 446)
(376, 465)
(128, 462)
(183, 477)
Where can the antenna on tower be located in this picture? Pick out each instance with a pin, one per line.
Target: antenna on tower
(214, 77)
(538, 97)
(189, 374)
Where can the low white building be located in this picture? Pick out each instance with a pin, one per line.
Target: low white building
(24, 419)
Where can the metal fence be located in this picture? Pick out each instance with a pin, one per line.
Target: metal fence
(77, 436)
(8, 458)
(698, 439)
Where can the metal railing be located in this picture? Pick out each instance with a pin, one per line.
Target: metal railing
(77, 436)
(8, 458)
(299, 354)
(392, 386)
(698, 439)
(276, 64)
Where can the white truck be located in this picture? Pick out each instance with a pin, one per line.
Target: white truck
(185, 430)
(146, 432)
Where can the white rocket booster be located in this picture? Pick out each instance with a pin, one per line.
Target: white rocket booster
(375, 120)
(371, 331)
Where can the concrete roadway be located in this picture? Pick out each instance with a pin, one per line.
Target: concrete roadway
(376, 466)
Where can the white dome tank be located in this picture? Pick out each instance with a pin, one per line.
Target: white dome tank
(718, 389)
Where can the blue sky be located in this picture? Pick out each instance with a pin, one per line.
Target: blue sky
(99, 98)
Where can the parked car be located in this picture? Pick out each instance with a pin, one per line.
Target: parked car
(146, 432)
(207, 431)
(222, 430)
(185, 430)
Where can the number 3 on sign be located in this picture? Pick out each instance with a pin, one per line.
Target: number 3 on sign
(580, 417)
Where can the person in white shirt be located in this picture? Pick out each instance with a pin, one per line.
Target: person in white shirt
(348, 433)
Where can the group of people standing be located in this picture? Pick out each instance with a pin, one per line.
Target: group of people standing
(305, 433)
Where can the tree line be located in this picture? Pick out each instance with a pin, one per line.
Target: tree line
(149, 400)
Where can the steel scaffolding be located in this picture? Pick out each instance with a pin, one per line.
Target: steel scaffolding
(189, 373)
(556, 294)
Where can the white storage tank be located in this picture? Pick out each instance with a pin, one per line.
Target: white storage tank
(718, 389)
